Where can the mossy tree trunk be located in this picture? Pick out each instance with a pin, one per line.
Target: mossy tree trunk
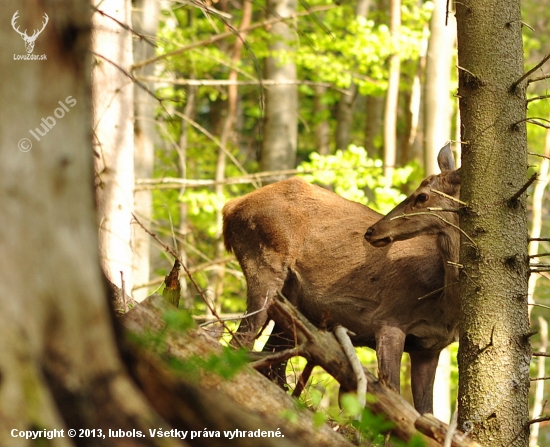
(494, 349)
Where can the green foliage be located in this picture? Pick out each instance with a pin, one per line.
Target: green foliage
(355, 176)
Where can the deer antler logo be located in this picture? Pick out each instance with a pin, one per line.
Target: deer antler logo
(29, 40)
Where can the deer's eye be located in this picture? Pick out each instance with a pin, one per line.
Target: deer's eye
(421, 198)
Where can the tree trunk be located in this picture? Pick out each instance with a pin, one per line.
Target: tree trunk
(374, 125)
(281, 101)
(392, 95)
(438, 108)
(59, 362)
(494, 348)
(438, 111)
(145, 22)
(113, 95)
(322, 129)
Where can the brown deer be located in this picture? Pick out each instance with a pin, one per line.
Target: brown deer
(309, 243)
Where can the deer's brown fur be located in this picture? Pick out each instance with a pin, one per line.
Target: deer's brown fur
(310, 244)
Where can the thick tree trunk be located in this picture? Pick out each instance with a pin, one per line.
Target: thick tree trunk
(281, 101)
(494, 351)
(114, 138)
(145, 22)
(59, 362)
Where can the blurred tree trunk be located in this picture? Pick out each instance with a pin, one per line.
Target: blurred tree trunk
(59, 361)
(536, 227)
(494, 350)
(346, 106)
(392, 95)
(281, 101)
(321, 112)
(438, 108)
(113, 96)
(145, 21)
(374, 125)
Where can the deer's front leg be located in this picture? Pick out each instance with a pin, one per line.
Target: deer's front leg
(390, 342)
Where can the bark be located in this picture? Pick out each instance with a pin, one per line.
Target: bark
(322, 129)
(145, 22)
(374, 125)
(438, 108)
(494, 345)
(281, 101)
(59, 362)
(392, 95)
(114, 138)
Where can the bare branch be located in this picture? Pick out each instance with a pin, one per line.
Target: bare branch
(342, 335)
(527, 74)
(518, 194)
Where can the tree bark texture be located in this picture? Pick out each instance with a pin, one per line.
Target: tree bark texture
(494, 351)
(281, 101)
(113, 96)
(59, 363)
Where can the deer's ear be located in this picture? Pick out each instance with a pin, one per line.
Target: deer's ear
(454, 176)
(445, 158)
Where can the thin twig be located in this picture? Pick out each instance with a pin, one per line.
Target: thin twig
(533, 379)
(537, 98)
(539, 255)
(125, 26)
(538, 155)
(439, 217)
(240, 317)
(201, 292)
(527, 74)
(540, 78)
(441, 193)
(133, 78)
(541, 239)
(541, 354)
(227, 34)
(537, 420)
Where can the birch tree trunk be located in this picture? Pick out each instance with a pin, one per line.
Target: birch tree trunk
(392, 95)
(494, 350)
(281, 101)
(438, 108)
(438, 111)
(145, 22)
(113, 94)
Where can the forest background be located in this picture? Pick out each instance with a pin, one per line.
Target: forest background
(230, 95)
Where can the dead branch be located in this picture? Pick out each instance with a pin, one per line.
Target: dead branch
(541, 354)
(342, 335)
(528, 73)
(520, 192)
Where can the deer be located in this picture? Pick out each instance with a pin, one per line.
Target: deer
(309, 244)
(29, 40)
